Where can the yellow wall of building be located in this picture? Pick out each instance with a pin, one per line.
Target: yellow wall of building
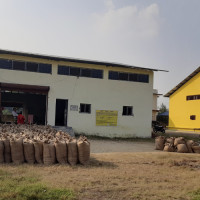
(180, 109)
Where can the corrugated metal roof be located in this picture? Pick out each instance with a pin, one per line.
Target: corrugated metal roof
(56, 58)
(182, 82)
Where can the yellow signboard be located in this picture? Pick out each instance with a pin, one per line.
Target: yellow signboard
(106, 117)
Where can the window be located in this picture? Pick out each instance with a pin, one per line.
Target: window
(113, 75)
(18, 65)
(127, 110)
(32, 67)
(63, 70)
(133, 77)
(97, 73)
(25, 66)
(85, 108)
(5, 64)
(192, 97)
(45, 68)
(123, 76)
(86, 72)
(144, 78)
(193, 117)
(74, 71)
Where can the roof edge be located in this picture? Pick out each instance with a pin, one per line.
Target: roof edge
(172, 91)
(57, 58)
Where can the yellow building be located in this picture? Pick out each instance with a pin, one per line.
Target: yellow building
(184, 103)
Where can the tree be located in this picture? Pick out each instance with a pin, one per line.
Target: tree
(162, 108)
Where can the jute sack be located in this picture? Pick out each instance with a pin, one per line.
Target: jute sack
(38, 146)
(182, 148)
(29, 152)
(49, 153)
(17, 152)
(170, 140)
(61, 152)
(7, 150)
(169, 147)
(72, 151)
(1, 151)
(189, 144)
(179, 140)
(83, 151)
(159, 142)
(196, 149)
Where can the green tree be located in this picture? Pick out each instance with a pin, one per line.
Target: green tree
(162, 108)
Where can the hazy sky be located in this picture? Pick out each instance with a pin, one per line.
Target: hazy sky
(161, 34)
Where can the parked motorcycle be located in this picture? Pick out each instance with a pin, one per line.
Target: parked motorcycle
(158, 128)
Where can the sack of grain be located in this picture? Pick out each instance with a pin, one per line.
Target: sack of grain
(179, 140)
(29, 152)
(196, 148)
(83, 150)
(170, 140)
(7, 150)
(189, 144)
(38, 147)
(49, 153)
(61, 152)
(17, 152)
(1, 151)
(182, 148)
(72, 151)
(169, 147)
(159, 142)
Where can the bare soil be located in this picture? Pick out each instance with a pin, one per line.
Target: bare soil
(106, 146)
(143, 176)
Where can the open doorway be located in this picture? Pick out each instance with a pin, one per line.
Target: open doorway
(31, 100)
(61, 112)
(31, 105)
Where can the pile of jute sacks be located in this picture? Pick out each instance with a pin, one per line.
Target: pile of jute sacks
(42, 145)
(179, 144)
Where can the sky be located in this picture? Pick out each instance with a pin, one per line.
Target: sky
(160, 34)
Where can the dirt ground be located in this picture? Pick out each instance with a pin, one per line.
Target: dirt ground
(112, 176)
(108, 146)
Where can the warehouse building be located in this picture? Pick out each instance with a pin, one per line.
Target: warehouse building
(184, 103)
(92, 97)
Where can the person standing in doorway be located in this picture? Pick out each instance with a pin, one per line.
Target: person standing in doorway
(20, 119)
(15, 115)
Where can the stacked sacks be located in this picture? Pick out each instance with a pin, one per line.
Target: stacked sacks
(1, 151)
(17, 152)
(169, 145)
(179, 145)
(189, 144)
(159, 142)
(29, 151)
(83, 150)
(49, 153)
(72, 151)
(196, 148)
(38, 147)
(41, 144)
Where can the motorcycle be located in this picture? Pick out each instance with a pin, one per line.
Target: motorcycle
(158, 128)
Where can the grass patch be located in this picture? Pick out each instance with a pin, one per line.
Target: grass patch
(195, 195)
(29, 188)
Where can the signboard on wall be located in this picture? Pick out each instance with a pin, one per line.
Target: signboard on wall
(106, 117)
(73, 108)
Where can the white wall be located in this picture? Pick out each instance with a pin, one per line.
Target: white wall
(102, 94)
